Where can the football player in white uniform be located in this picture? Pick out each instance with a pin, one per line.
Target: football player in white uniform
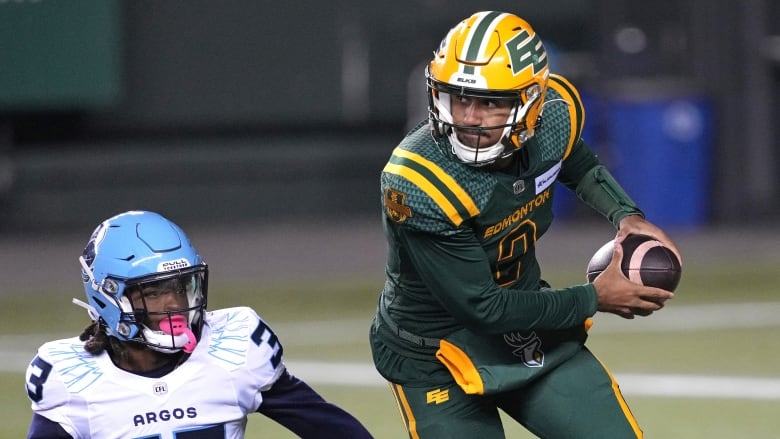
(155, 363)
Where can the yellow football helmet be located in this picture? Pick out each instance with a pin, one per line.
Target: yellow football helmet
(494, 55)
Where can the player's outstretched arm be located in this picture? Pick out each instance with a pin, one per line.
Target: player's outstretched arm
(299, 408)
(43, 428)
(618, 295)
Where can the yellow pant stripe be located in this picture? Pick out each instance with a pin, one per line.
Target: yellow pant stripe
(623, 405)
(406, 412)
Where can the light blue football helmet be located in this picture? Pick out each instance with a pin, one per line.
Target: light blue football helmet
(139, 249)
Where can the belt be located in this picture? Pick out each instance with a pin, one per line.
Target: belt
(403, 333)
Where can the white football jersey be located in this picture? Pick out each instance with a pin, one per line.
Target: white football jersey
(209, 395)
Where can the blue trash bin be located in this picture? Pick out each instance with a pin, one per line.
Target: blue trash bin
(660, 148)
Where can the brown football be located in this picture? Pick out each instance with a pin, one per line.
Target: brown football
(645, 261)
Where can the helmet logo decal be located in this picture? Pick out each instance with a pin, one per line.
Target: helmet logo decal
(176, 264)
(395, 204)
(526, 51)
(90, 251)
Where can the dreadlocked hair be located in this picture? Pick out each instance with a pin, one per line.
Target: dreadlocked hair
(97, 340)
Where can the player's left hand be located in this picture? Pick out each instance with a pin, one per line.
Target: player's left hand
(636, 225)
(618, 295)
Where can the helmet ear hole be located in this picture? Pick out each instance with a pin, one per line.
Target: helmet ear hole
(98, 302)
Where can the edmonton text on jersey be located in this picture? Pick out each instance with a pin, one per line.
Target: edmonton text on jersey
(519, 214)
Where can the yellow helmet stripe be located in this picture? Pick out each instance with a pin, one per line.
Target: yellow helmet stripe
(451, 198)
(478, 38)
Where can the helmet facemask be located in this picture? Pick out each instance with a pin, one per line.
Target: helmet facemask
(176, 329)
(132, 318)
(518, 128)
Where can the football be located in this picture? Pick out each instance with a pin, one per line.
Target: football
(645, 261)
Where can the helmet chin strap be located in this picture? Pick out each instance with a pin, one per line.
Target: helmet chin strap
(479, 155)
(93, 314)
(483, 155)
(174, 329)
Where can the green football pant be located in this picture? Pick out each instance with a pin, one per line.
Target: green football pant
(578, 399)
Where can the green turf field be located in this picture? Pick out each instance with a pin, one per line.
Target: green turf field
(329, 323)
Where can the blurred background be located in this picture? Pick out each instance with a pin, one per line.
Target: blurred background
(215, 112)
(261, 128)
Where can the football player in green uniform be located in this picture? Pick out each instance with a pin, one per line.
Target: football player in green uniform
(465, 324)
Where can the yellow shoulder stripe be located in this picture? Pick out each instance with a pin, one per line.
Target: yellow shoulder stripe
(430, 188)
(575, 108)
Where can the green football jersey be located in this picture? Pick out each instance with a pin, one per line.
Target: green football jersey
(461, 239)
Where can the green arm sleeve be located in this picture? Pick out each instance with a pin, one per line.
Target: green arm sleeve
(456, 271)
(599, 190)
(584, 173)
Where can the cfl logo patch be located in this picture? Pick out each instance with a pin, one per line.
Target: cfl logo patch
(160, 388)
(437, 396)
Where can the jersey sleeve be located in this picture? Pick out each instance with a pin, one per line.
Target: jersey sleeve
(565, 112)
(298, 407)
(44, 428)
(47, 390)
(245, 346)
(424, 189)
(265, 386)
(579, 162)
(420, 193)
(582, 171)
(457, 273)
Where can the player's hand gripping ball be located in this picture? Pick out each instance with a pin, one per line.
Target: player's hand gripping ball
(645, 261)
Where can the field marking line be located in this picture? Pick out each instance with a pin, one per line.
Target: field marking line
(744, 315)
(356, 374)
(699, 386)
(17, 350)
(673, 318)
(634, 384)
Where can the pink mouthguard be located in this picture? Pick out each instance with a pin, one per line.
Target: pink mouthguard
(178, 326)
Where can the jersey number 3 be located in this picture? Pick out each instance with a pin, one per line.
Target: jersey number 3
(264, 334)
(40, 371)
